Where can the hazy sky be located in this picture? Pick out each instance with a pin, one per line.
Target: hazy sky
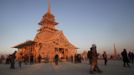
(84, 22)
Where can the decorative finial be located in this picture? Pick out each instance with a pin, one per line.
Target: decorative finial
(49, 7)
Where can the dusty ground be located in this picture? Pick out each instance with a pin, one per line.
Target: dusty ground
(67, 68)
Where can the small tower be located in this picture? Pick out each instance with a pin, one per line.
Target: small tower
(48, 20)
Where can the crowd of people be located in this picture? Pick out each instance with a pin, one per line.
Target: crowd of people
(12, 59)
(92, 57)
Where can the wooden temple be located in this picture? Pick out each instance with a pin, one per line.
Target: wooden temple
(48, 41)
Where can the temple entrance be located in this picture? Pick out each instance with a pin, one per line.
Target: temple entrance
(61, 53)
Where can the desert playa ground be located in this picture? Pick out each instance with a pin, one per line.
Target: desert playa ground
(114, 67)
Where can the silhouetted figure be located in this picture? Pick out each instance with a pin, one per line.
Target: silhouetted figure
(105, 58)
(78, 58)
(14, 54)
(94, 65)
(75, 58)
(20, 60)
(111, 57)
(131, 56)
(46, 59)
(26, 59)
(2, 58)
(39, 58)
(12, 62)
(8, 60)
(125, 58)
(31, 59)
(89, 56)
(71, 59)
(56, 59)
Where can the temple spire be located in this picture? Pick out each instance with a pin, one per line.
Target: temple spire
(48, 18)
(49, 7)
(115, 52)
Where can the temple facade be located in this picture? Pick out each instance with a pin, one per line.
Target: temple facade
(48, 41)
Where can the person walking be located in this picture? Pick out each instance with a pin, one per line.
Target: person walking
(94, 64)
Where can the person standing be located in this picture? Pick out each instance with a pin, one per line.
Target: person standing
(105, 58)
(89, 55)
(12, 62)
(131, 56)
(125, 58)
(39, 58)
(31, 59)
(56, 59)
(20, 60)
(94, 64)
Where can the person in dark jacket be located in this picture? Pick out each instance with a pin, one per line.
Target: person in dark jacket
(12, 62)
(125, 58)
(56, 59)
(89, 55)
(105, 58)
